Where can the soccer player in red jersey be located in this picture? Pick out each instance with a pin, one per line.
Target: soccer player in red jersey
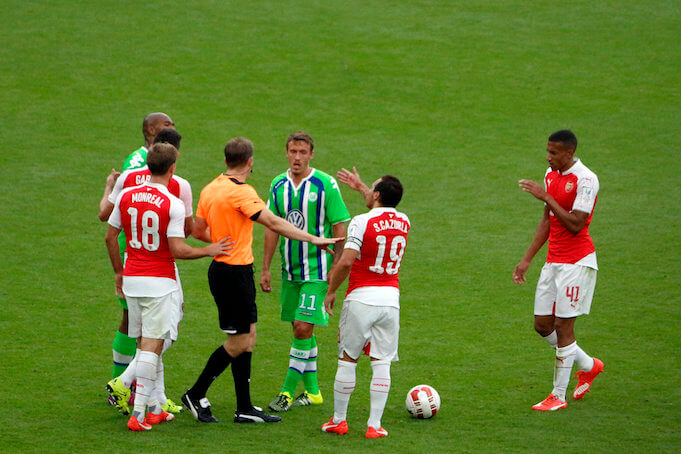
(153, 222)
(567, 281)
(371, 311)
(120, 386)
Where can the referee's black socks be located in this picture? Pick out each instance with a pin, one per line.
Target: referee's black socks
(217, 363)
(241, 370)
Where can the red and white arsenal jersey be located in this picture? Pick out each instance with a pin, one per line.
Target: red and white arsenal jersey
(380, 236)
(574, 190)
(148, 214)
(178, 186)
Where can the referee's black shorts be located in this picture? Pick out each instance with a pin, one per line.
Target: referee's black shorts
(233, 289)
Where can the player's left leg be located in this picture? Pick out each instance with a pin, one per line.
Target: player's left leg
(378, 392)
(311, 313)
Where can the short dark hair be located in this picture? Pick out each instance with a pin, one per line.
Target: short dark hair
(566, 137)
(169, 135)
(161, 157)
(238, 151)
(389, 190)
(301, 136)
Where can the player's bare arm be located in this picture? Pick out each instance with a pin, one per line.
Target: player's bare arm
(353, 180)
(285, 228)
(200, 230)
(271, 240)
(115, 257)
(188, 226)
(574, 221)
(339, 231)
(106, 207)
(540, 237)
(182, 250)
(337, 276)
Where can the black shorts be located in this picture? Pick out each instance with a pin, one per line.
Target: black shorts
(233, 289)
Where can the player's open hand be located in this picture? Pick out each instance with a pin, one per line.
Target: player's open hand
(112, 177)
(352, 179)
(266, 281)
(329, 301)
(324, 243)
(533, 188)
(519, 272)
(221, 247)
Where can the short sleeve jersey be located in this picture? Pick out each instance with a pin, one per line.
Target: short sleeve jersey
(178, 186)
(148, 214)
(380, 237)
(314, 206)
(227, 205)
(574, 190)
(136, 159)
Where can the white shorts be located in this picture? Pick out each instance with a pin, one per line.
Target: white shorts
(564, 290)
(361, 324)
(154, 317)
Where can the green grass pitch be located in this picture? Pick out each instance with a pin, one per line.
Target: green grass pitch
(457, 100)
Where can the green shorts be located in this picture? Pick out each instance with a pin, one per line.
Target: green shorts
(304, 301)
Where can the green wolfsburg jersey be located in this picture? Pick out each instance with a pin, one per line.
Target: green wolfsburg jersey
(315, 206)
(136, 159)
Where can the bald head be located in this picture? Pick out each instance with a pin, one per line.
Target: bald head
(152, 125)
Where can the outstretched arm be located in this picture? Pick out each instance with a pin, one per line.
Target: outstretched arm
(353, 180)
(285, 228)
(182, 250)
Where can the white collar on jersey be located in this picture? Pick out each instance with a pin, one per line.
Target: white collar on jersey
(293, 185)
(383, 210)
(575, 163)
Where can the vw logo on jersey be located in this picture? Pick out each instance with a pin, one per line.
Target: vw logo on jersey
(295, 217)
(312, 197)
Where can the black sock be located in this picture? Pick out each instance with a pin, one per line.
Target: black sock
(217, 363)
(241, 370)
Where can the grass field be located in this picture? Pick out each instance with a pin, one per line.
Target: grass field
(457, 100)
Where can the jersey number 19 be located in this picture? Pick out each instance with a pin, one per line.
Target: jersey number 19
(396, 252)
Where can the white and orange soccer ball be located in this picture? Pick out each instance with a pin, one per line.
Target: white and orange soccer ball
(423, 402)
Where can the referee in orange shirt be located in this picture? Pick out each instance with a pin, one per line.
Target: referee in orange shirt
(228, 207)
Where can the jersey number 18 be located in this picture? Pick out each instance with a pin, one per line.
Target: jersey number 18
(150, 225)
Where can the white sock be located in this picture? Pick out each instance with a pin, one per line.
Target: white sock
(128, 376)
(159, 393)
(565, 357)
(584, 362)
(146, 377)
(551, 339)
(343, 386)
(379, 389)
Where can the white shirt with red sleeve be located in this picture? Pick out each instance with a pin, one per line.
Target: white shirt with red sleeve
(575, 190)
(178, 186)
(380, 237)
(148, 214)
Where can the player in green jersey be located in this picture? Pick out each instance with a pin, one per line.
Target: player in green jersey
(310, 200)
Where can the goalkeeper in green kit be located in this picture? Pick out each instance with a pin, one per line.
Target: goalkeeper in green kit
(310, 200)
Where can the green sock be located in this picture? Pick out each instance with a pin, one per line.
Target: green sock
(123, 351)
(310, 374)
(300, 352)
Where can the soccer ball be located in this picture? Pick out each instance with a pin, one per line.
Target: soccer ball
(423, 402)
